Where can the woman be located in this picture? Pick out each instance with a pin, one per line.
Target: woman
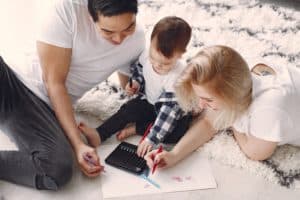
(261, 110)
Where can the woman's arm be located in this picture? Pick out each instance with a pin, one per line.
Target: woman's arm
(253, 147)
(198, 134)
(55, 62)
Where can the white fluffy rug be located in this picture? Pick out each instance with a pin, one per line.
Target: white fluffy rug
(252, 28)
(282, 168)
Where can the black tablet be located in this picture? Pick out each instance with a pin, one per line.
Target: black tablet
(124, 157)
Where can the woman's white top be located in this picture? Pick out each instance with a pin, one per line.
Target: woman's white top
(274, 114)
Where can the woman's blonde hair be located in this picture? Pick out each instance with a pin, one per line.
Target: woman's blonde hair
(226, 73)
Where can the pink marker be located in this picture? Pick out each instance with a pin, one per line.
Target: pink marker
(155, 164)
(91, 162)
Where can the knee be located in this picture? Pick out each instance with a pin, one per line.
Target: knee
(57, 170)
(62, 171)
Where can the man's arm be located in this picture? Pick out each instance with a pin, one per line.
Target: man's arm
(198, 134)
(55, 62)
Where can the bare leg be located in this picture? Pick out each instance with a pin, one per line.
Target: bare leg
(91, 134)
(127, 132)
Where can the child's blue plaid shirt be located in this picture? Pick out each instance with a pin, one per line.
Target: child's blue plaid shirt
(167, 109)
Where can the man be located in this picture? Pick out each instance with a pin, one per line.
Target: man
(80, 44)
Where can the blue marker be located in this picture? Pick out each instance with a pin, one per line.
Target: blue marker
(150, 181)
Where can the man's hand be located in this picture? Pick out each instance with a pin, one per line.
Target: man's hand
(88, 160)
(133, 88)
(143, 148)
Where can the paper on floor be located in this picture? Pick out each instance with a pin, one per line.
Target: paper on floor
(193, 173)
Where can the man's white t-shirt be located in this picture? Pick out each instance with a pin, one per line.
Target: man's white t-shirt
(156, 84)
(274, 114)
(69, 25)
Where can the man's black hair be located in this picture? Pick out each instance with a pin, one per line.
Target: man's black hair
(110, 8)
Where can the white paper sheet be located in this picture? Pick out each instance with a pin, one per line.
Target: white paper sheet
(193, 173)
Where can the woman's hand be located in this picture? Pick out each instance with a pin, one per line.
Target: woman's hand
(164, 159)
(88, 160)
(133, 88)
(144, 148)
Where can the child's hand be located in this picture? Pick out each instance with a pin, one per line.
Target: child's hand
(133, 89)
(143, 148)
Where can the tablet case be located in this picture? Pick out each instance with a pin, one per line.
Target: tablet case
(124, 157)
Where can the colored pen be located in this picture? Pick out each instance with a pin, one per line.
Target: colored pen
(156, 163)
(130, 82)
(146, 132)
(91, 161)
(135, 89)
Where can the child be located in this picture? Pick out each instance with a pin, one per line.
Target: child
(152, 79)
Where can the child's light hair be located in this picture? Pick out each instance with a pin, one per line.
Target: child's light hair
(226, 74)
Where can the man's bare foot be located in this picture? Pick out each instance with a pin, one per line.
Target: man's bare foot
(91, 134)
(126, 132)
